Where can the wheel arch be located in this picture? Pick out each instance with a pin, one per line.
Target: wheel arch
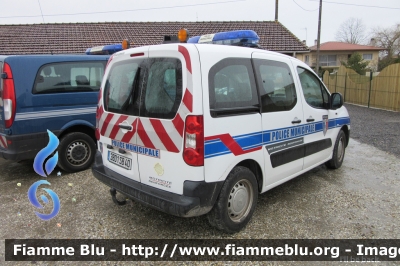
(256, 169)
(346, 131)
(82, 128)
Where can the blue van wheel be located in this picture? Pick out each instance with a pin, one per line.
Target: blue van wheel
(76, 152)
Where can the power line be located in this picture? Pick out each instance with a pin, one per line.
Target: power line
(41, 12)
(347, 4)
(121, 11)
(304, 8)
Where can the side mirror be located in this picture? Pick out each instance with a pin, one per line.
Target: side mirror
(336, 101)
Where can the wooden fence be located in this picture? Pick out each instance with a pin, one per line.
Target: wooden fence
(381, 91)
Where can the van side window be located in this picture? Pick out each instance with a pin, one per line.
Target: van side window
(232, 88)
(120, 89)
(314, 92)
(276, 85)
(69, 77)
(162, 89)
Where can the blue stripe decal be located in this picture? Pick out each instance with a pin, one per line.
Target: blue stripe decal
(216, 147)
(54, 113)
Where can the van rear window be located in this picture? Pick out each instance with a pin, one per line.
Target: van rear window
(121, 87)
(162, 88)
(69, 77)
(146, 87)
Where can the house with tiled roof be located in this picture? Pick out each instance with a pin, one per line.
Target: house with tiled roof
(333, 53)
(75, 38)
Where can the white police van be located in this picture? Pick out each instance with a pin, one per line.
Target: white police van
(192, 128)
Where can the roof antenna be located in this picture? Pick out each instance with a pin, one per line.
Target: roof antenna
(44, 23)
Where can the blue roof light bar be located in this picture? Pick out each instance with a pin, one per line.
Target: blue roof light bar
(247, 38)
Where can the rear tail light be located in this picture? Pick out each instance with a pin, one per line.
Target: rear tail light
(9, 103)
(193, 152)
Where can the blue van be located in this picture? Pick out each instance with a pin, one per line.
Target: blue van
(50, 92)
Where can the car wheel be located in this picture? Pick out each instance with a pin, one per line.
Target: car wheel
(76, 152)
(338, 152)
(236, 202)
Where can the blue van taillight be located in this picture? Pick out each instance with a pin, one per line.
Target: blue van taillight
(9, 103)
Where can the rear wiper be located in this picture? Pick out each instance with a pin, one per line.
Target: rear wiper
(134, 85)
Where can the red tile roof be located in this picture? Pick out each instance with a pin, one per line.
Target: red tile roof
(342, 46)
(77, 37)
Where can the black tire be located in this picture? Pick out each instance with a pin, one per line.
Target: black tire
(241, 185)
(338, 151)
(76, 152)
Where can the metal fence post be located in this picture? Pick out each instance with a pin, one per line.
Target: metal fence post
(336, 83)
(345, 84)
(370, 87)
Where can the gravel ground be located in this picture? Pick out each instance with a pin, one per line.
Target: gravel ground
(359, 200)
(376, 127)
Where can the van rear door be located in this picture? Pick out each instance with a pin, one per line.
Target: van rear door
(118, 113)
(168, 97)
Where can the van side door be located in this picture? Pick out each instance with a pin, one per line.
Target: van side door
(319, 143)
(232, 118)
(282, 118)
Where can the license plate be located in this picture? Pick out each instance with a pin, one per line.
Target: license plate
(120, 160)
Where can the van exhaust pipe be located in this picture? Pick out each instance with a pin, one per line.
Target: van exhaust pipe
(113, 193)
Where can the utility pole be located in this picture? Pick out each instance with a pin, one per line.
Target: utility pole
(319, 36)
(276, 10)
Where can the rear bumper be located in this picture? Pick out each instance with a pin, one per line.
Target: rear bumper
(198, 197)
(22, 147)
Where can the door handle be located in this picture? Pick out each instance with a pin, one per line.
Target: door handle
(121, 151)
(298, 121)
(310, 119)
(125, 127)
(110, 147)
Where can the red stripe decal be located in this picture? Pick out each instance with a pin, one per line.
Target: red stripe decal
(178, 123)
(143, 136)
(188, 100)
(128, 135)
(231, 144)
(186, 55)
(163, 135)
(4, 142)
(105, 124)
(101, 111)
(115, 128)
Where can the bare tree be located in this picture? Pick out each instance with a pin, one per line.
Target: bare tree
(389, 40)
(351, 31)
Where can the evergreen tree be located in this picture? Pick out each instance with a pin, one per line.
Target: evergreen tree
(357, 63)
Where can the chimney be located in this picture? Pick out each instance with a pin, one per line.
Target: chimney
(305, 42)
(276, 10)
(315, 42)
(373, 42)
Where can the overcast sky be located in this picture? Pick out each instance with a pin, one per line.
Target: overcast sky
(299, 16)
